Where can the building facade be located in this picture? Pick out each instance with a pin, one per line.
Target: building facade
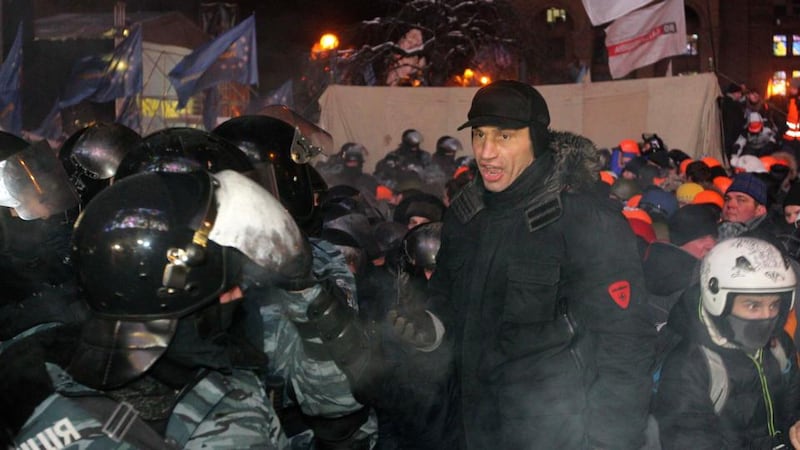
(747, 42)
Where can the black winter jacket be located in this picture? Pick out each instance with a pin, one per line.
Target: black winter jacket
(547, 314)
(683, 406)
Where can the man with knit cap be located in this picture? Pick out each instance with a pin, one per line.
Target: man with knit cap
(546, 319)
(744, 212)
(670, 267)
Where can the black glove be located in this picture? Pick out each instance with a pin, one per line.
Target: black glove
(409, 320)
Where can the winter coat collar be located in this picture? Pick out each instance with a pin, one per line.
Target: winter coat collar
(572, 164)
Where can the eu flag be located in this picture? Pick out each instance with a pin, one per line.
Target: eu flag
(130, 114)
(229, 57)
(10, 92)
(102, 78)
(51, 126)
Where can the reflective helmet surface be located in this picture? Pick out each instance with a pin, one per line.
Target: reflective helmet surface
(412, 138)
(141, 251)
(448, 145)
(268, 142)
(422, 243)
(743, 265)
(183, 150)
(92, 155)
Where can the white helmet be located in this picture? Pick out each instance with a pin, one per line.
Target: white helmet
(743, 265)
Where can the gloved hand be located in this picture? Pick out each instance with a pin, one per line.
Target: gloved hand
(413, 328)
(409, 320)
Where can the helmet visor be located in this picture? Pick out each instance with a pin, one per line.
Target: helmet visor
(35, 183)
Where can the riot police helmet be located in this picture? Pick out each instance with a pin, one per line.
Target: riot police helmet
(183, 149)
(412, 138)
(91, 156)
(156, 248)
(280, 148)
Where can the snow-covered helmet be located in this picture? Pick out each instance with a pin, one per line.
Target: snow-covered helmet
(743, 265)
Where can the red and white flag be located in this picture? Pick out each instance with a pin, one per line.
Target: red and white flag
(646, 36)
(603, 11)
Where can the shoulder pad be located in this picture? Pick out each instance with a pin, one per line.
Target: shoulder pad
(467, 203)
(543, 209)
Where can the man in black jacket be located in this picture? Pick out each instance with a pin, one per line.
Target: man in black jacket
(540, 290)
(732, 382)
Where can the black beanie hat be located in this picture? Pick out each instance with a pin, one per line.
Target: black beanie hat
(793, 196)
(691, 222)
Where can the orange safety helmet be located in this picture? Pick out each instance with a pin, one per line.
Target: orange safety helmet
(607, 177)
(709, 196)
(684, 164)
(711, 162)
(633, 202)
(722, 183)
(629, 146)
(636, 213)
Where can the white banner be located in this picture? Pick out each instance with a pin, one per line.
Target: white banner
(603, 11)
(646, 36)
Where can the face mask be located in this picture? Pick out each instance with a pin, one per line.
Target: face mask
(751, 334)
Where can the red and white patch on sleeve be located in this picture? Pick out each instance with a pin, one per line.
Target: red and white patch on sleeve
(620, 292)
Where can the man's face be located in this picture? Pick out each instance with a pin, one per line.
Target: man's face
(501, 155)
(740, 207)
(756, 306)
(700, 246)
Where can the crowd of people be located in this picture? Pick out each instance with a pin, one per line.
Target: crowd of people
(249, 287)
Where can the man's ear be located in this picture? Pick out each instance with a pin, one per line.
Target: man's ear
(760, 210)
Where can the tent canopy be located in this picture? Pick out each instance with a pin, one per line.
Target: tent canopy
(682, 110)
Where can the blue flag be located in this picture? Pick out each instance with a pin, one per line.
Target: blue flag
(283, 95)
(102, 78)
(129, 114)
(10, 88)
(229, 57)
(123, 75)
(51, 127)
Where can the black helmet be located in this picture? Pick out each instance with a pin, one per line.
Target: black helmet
(92, 155)
(157, 247)
(412, 138)
(183, 150)
(352, 151)
(421, 245)
(280, 151)
(448, 145)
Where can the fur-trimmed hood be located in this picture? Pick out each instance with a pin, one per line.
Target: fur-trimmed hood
(576, 161)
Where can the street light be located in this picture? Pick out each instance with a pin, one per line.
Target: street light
(329, 41)
(327, 47)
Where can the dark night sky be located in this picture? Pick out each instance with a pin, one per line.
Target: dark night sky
(286, 31)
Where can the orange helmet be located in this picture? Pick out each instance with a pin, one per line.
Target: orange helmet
(608, 177)
(633, 202)
(629, 146)
(709, 196)
(711, 162)
(636, 213)
(722, 183)
(383, 193)
(684, 164)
